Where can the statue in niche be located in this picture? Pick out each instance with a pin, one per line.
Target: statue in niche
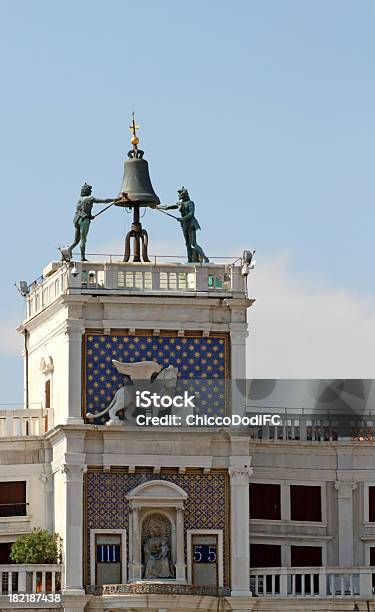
(166, 566)
(157, 557)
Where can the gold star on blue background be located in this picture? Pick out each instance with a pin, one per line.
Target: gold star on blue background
(200, 360)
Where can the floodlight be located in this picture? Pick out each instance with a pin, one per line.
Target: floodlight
(23, 288)
(247, 256)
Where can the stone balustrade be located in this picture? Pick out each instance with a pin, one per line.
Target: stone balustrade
(271, 582)
(25, 422)
(44, 578)
(302, 425)
(312, 582)
(119, 278)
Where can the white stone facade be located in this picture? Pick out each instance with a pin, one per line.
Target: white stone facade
(58, 461)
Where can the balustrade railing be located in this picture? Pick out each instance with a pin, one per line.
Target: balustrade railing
(117, 277)
(44, 578)
(25, 422)
(327, 582)
(303, 425)
(312, 582)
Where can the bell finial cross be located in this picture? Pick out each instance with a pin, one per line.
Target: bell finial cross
(133, 128)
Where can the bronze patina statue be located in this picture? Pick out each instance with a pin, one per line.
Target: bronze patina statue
(189, 225)
(83, 218)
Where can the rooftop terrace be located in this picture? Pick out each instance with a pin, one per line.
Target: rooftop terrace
(113, 277)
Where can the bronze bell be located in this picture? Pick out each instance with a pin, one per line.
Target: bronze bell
(136, 182)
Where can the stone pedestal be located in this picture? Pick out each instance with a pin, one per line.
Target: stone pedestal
(75, 603)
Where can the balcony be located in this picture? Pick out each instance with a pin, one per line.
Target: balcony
(312, 582)
(305, 426)
(30, 579)
(117, 278)
(267, 582)
(24, 421)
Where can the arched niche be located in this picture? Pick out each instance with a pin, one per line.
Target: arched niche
(157, 538)
(157, 498)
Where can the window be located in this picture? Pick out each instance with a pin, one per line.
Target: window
(372, 563)
(305, 503)
(5, 552)
(215, 282)
(371, 510)
(13, 498)
(306, 556)
(265, 555)
(47, 393)
(265, 501)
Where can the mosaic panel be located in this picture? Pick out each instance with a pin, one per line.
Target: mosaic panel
(200, 360)
(107, 507)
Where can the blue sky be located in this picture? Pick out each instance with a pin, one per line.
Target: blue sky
(264, 109)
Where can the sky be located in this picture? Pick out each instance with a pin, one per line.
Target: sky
(264, 109)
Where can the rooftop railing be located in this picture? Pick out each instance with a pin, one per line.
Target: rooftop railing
(114, 277)
(305, 425)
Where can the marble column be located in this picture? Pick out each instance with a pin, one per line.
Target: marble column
(74, 333)
(136, 568)
(240, 544)
(180, 549)
(345, 521)
(47, 481)
(73, 537)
